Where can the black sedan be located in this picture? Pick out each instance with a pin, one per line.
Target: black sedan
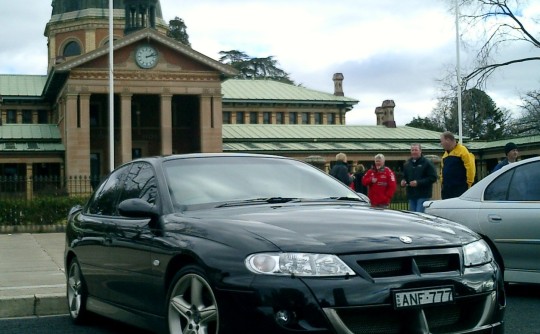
(238, 243)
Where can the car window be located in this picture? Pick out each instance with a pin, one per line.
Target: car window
(210, 180)
(498, 188)
(104, 200)
(521, 183)
(525, 185)
(140, 183)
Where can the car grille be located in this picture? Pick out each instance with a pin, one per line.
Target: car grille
(409, 265)
(465, 315)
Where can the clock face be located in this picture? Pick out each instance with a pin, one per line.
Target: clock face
(146, 56)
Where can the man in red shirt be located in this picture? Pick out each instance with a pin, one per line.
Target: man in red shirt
(381, 183)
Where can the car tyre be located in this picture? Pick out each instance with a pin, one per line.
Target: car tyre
(192, 305)
(77, 293)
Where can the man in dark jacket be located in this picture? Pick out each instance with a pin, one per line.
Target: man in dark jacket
(340, 170)
(418, 176)
(511, 153)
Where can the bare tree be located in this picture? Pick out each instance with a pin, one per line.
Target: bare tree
(502, 26)
(529, 121)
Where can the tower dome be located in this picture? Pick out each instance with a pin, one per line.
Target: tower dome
(60, 7)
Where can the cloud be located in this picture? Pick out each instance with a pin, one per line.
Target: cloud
(386, 49)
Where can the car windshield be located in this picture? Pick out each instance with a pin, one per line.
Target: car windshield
(228, 180)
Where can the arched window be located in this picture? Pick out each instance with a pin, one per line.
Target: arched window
(72, 49)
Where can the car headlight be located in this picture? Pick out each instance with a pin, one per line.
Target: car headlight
(298, 264)
(477, 253)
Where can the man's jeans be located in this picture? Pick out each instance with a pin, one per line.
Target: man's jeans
(417, 204)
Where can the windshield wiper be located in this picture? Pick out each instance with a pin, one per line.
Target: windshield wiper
(265, 200)
(345, 198)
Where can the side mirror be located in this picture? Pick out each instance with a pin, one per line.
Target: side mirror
(137, 208)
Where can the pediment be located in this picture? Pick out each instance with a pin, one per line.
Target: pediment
(172, 56)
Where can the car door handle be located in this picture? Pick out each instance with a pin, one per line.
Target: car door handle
(494, 218)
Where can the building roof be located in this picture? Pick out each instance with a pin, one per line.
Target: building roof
(519, 141)
(30, 138)
(264, 91)
(22, 85)
(355, 133)
(325, 138)
(233, 90)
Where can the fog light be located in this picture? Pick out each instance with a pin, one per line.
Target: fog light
(283, 317)
(489, 285)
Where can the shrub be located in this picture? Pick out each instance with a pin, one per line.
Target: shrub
(39, 211)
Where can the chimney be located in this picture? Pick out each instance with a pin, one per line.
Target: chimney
(385, 114)
(338, 84)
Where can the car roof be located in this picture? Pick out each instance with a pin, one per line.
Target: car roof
(155, 160)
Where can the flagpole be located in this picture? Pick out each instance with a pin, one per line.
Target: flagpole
(458, 75)
(111, 86)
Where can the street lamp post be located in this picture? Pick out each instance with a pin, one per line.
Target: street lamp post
(111, 86)
(458, 77)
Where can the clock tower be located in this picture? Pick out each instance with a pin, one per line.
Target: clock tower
(77, 27)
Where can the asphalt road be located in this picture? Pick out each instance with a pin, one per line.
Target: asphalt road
(521, 318)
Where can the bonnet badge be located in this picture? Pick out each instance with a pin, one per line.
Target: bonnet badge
(405, 239)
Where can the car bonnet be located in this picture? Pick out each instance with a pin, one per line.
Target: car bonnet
(338, 228)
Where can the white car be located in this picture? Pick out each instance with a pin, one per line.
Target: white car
(504, 207)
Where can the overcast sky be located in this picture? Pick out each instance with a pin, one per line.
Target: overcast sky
(386, 49)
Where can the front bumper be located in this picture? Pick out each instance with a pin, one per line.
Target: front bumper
(364, 304)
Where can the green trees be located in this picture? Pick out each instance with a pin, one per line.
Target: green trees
(178, 30)
(254, 68)
(248, 67)
(482, 119)
(425, 123)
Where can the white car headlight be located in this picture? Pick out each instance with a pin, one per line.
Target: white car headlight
(298, 264)
(477, 253)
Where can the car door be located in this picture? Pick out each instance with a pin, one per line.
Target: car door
(509, 215)
(93, 228)
(131, 282)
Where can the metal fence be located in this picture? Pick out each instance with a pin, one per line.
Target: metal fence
(47, 186)
(37, 186)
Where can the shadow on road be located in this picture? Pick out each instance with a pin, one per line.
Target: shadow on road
(523, 290)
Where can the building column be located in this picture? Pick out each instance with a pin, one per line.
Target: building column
(77, 141)
(70, 139)
(125, 128)
(84, 141)
(437, 186)
(210, 117)
(166, 124)
(29, 181)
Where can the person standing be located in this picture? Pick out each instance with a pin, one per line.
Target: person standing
(381, 183)
(457, 167)
(340, 170)
(358, 186)
(418, 176)
(511, 152)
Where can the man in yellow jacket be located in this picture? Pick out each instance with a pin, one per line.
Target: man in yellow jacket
(457, 167)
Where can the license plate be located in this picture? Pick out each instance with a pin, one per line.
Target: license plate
(420, 297)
